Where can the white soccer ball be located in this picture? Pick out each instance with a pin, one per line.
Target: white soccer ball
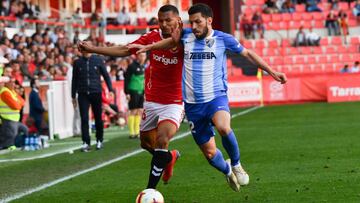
(149, 196)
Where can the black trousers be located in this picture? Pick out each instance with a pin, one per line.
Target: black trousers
(85, 100)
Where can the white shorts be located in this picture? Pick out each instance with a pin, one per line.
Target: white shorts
(155, 113)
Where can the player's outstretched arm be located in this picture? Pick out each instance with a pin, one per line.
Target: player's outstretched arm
(252, 56)
(167, 43)
(119, 51)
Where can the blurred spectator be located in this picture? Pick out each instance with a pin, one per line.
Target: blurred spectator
(270, 7)
(313, 39)
(300, 39)
(36, 107)
(122, 66)
(247, 26)
(356, 10)
(77, 16)
(288, 7)
(258, 24)
(11, 103)
(4, 8)
(153, 21)
(355, 68)
(345, 69)
(95, 19)
(123, 17)
(312, 6)
(343, 22)
(16, 72)
(331, 23)
(76, 37)
(334, 4)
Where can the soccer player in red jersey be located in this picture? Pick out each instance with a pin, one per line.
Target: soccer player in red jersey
(163, 109)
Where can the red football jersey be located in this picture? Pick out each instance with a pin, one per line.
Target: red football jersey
(163, 76)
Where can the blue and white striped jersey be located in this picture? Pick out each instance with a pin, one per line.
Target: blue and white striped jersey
(204, 74)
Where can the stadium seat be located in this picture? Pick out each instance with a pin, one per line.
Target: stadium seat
(300, 60)
(343, 6)
(271, 52)
(318, 16)
(324, 41)
(353, 49)
(293, 51)
(285, 42)
(341, 49)
(322, 59)
(317, 50)
(248, 44)
(276, 17)
(330, 50)
(266, 18)
(337, 40)
(345, 58)
(318, 24)
(286, 17)
(296, 16)
(305, 50)
(354, 40)
(295, 24)
(334, 58)
(300, 8)
(278, 60)
(306, 17)
(273, 43)
(311, 60)
(288, 60)
(260, 43)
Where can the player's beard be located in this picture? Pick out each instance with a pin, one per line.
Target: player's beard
(205, 32)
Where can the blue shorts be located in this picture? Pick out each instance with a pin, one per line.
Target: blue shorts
(200, 118)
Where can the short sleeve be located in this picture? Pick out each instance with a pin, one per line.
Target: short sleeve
(232, 44)
(144, 40)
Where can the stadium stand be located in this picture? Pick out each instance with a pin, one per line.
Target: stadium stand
(276, 47)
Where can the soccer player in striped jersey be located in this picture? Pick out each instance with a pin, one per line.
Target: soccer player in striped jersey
(204, 83)
(163, 108)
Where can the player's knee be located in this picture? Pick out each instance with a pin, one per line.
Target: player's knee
(209, 154)
(146, 145)
(224, 130)
(162, 141)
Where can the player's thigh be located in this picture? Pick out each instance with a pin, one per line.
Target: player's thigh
(170, 117)
(209, 148)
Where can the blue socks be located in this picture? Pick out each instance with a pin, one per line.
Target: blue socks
(219, 163)
(231, 146)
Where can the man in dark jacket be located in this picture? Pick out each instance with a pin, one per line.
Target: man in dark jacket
(36, 106)
(87, 83)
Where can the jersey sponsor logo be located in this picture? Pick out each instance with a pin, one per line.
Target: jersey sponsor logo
(164, 60)
(199, 55)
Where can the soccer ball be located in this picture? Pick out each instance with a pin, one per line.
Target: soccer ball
(149, 196)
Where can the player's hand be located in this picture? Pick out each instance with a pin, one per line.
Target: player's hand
(128, 97)
(74, 103)
(84, 46)
(279, 76)
(176, 32)
(141, 48)
(111, 94)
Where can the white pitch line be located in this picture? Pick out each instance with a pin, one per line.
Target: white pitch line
(52, 183)
(46, 155)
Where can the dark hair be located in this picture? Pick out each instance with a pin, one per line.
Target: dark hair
(357, 63)
(32, 82)
(204, 9)
(167, 8)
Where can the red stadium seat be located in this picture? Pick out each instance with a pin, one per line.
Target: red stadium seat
(295, 24)
(266, 18)
(334, 58)
(276, 17)
(346, 58)
(260, 43)
(296, 16)
(311, 60)
(285, 42)
(330, 50)
(293, 51)
(278, 61)
(353, 49)
(337, 40)
(354, 40)
(343, 6)
(248, 44)
(352, 22)
(286, 17)
(323, 59)
(329, 68)
(300, 8)
(318, 16)
(317, 50)
(305, 50)
(271, 52)
(324, 41)
(288, 60)
(318, 24)
(341, 49)
(300, 60)
(306, 17)
(273, 43)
